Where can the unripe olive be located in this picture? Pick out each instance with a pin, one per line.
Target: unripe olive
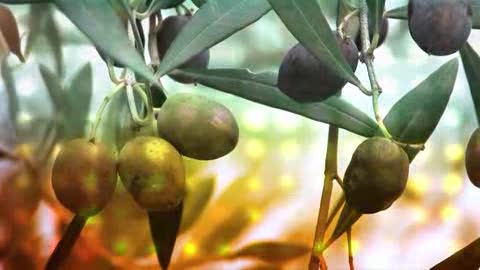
(472, 158)
(305, 78)
(376, 175)
(152, 171)
(198, 127)
(382, 35)
(440, 27)
(84, 176)
(171, 26)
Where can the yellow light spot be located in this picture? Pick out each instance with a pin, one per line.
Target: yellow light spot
(318, 246)
(254, 120)
(92, 220)
(254, 184)
(355, 246)
(120, 247)
(224, 250)
(254, 148)
(453, 246)
(419, 184)
(449, 213)
(254, 215)
(454, 152)
(190, 249)
(286, 182)
(289, 149)
(453, 183)
(419, 215)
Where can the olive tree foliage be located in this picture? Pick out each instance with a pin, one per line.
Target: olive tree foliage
(308, 83)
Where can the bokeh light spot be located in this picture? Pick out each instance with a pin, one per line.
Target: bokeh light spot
(453, 183)
(254, 149)
(454, 152)
(449, 213)
(190, 249)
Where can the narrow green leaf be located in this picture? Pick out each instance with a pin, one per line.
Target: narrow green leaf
(55, 88)
(25, 1)
(212, 23)
(376, 9)
(164, 228)
(78, 100)
(347, 218)
(11, 89)
(261, 88)
(199, 3)
(196, 200)
(466, 258)
(8, 114)
(272, 252)
(99, 22)
(401, 13)
(54, 39)
(305, 20)
(471, 64)
(416, 115)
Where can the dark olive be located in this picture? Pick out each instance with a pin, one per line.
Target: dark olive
(84, 176)
(472, 158)
(382, 35)
(440, 27)
(198, 127)
(168, 3)
(376, 175)
(171, 26)
(152, 171)
(305, 78)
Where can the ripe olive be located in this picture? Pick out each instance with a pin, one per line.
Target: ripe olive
(376, 175)
(440, 27)
(382, 35)
(305, 78)
(171, 26)
(197, 126)
(84, 176)
(152, 171)
(472, 158)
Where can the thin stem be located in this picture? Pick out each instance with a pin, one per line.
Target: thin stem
(133, 107)
(64, 247)
(101, 110)
(367, 55)
(152, 38)
(350, 252)
(111, 72)
(335, 209)
(341, 26)
(330, 174)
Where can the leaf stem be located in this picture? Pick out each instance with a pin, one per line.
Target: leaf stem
(101, 110)
(335, 209)
(330, 174)
(341, 26)
(64, 247)
(350, 251)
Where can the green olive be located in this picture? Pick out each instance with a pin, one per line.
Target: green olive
(198, 127)
(84, 176)
(376, 175)
(152, 171)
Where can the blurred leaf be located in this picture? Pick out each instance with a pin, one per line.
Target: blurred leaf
(8, 113)
(164, 228)
(347, 219)
(11, 89)
(272, 252)
(398, 13)
(219, 238)
(199, 3)
(305, 20)
(54, 39)
(25, 1)
(416, 115)
(9, 30)
(401, 13)
(352, 26)
(100, 23)
(78, 99)
(375, 9)
(57, 96)
(471, 64)
(36, 25)
(211, 24)
(261, 88)
(197, 198)
(467, 258)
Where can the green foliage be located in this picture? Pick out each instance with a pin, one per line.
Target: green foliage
(375, 9)
(471, 62)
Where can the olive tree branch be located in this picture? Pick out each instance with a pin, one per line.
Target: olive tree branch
(330, 175)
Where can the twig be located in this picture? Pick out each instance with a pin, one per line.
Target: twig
(341, 26)
(350, 252)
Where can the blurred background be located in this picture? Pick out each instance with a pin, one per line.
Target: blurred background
(269, 188)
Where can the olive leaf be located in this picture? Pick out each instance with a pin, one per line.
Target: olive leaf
(55, 89)
(164, 228)
(305, 20)
(99, 22)
(262, 88)
(272, 252)
(54, 39)
(199, 3)
(9, 30)
(212, 23)
(412, 120)
(471, 64)
(11, 91)
(416, 115)
(25, 1)
(78, 97)
(197, 198)
(8, 114)
(466, 258)
(401, 13)
(375, 9)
